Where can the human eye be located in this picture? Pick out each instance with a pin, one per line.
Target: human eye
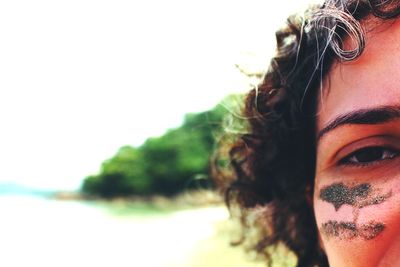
(369, 155)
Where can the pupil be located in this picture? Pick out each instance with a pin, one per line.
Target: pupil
(369, 154)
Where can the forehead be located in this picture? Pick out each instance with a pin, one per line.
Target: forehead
(371, 80)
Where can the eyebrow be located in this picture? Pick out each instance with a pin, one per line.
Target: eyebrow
(362, 116)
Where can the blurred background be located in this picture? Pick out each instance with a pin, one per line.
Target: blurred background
(109, 111)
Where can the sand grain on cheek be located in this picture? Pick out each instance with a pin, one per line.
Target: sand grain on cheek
(358, 197)
(339, 194)
(350, 230)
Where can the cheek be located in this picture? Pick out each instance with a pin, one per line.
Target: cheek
(366, 236)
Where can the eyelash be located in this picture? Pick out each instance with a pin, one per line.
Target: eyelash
(385, 154)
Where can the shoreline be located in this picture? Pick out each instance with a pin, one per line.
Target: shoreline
(188, 199)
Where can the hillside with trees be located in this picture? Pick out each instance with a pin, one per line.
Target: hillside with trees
(165, 165)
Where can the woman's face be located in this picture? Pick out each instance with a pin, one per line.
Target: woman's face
(357, 185)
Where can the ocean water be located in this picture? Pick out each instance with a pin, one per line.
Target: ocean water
(38, 231)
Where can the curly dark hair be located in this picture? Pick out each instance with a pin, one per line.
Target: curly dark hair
(272, 165)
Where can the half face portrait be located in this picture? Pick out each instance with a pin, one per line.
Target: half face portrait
(357, 179)
(319, 163)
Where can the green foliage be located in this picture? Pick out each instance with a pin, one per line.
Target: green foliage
(162, 165)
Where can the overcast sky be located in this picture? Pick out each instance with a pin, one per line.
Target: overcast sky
(81, 78)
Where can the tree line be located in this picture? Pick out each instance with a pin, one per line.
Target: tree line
(165, 165)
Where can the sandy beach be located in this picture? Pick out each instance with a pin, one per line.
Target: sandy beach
(43, 232)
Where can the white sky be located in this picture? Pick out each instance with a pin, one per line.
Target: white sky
(81, 78)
